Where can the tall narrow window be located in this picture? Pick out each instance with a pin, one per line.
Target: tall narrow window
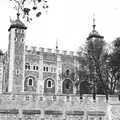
(30, 82)
(44, 68)
(47, 69)
(33, 67)
(49, 84)
(36, 67)
(54, 69)
(67, 85)
(67, 72)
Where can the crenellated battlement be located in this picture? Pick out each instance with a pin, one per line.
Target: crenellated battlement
(49, 50)
(58, 106)
(86, 98)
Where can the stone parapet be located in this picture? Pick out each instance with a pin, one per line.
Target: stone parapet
(42, 50)
(24, 105)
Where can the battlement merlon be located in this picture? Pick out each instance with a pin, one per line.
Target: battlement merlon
(49, 50)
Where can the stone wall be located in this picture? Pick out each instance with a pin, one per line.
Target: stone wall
(39, 107)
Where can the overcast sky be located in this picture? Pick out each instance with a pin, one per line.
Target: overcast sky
(68, 21)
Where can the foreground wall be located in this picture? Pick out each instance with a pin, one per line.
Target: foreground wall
(38, 107)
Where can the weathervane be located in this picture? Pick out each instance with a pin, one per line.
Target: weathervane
(26, 8)
(56, 44)
(94, 22)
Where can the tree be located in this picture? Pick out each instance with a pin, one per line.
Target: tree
(92, 59)
(27, 7)
(83, 85)
(113, 67)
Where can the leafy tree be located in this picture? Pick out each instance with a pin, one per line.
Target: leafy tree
(113, 67)
(1, 52)
(92, 60)
(27, 7)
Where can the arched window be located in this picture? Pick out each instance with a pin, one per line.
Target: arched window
(67, 85)
(30, 81)
(27, 66)
(67, 72)
(44, 68)
(47, 69)
(100, 118)
(30, 84)
(49, 84)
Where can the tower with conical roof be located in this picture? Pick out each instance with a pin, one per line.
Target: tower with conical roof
(94, 34)
(94, 40)
(16, 50)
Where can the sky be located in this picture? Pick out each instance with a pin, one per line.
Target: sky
(67, 21)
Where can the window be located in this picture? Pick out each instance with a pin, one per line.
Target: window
(27, 66)
(67, 72)
(67, 85)
(27, 98)
(54, 69)
(91, 118)
(17, 72)
(51, 69)
(41, 98)
(100, 118)
(30, 81)
(47, 69)
(43, 68)
(35, 67)
(49, 84)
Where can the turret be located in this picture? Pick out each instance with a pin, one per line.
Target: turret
(16, 55)
(94, 34)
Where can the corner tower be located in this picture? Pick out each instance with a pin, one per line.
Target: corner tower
(16, 55)
(94, 34)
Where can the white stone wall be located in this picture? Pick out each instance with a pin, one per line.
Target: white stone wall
(11, 59)
(1, 73)
(88, 108)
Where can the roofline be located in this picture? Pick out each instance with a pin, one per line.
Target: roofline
(17, 26)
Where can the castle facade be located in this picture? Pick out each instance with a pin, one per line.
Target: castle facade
(42, 84)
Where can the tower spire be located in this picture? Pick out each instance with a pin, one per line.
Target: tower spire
(94, 25)
(18, 9)
(56, 44)
(18, 15)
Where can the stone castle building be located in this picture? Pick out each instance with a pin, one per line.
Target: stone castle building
(40, 84)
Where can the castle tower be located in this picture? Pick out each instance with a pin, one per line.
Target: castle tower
(94, 34)
(93, 38)
(16, 55)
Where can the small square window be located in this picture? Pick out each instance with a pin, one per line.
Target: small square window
(100, 118)
(27, 98)
(41, 98)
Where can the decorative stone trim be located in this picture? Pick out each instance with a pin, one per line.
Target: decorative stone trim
(78, 113)
(9, 111)
(96, 113)
(17, 26)
(30, 112)
(52, 112)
